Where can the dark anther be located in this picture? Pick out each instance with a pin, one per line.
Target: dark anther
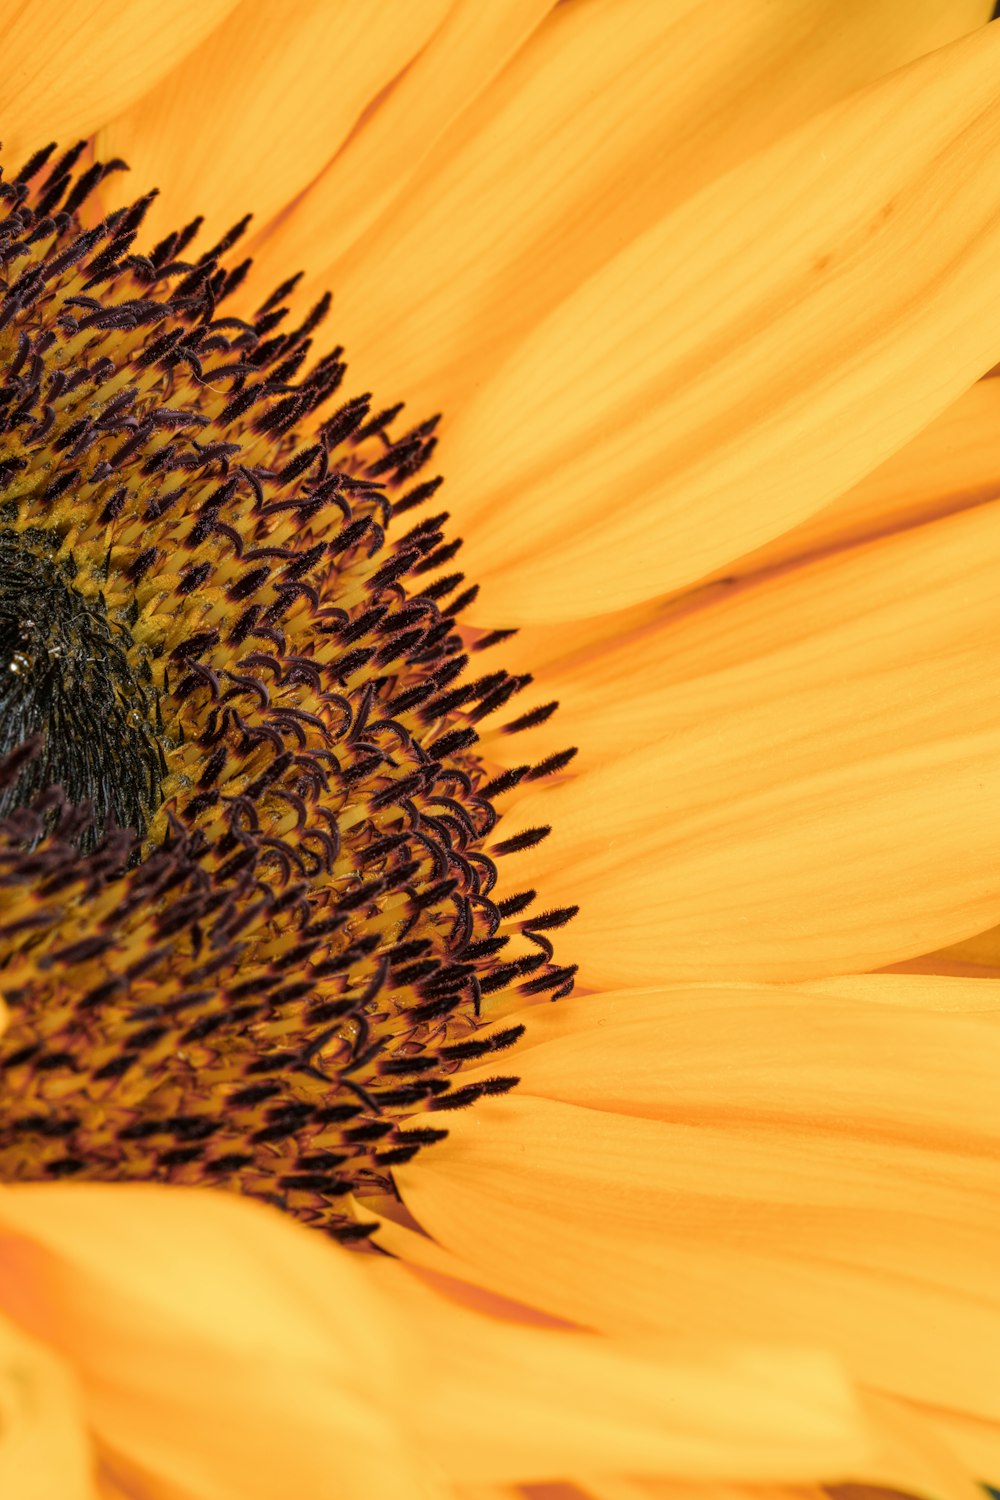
(526, 840)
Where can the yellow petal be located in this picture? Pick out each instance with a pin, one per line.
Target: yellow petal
(256, 112)
(961, 994)
(610, 117)
(823, 793)
(552, 1404)
(221, 1347)
(671, 1489)
(44, 1452)
(859, 1245)
(977, 1442)
(823, 1058)
(952, 465)
(373, 167)
(69, 67)
(979, 953)
(746, 359)
(916, 1458)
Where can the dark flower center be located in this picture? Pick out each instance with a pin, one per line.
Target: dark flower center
(252, 931)
(66, 678)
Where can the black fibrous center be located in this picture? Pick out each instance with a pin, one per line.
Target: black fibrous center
(66, 679)
(254, 926)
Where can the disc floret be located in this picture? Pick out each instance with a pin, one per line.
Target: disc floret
(265, 950)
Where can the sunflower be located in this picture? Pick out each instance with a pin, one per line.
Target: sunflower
(310, 1186)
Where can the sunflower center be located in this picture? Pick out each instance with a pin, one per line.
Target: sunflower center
(65, 677)
(216, 630)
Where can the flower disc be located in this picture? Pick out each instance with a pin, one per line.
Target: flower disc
(248, 905)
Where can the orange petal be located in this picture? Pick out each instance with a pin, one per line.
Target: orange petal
(816, 782)
(977, 1442)
(44, 1452)
(852, 1241)
(979, 953)
(952, 465)
(747, 358)
(221, 1347)
(256, 112)
(611, 115)
(553, 1404)
(916, 1457)
(823, 1058)
(961, 994)
(68, 68)
(396, 135)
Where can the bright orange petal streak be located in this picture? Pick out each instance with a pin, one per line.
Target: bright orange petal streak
(800, 778)
(830, 1175)
(748, 358)
(256, 112)
(68, 67)
(222, 1348)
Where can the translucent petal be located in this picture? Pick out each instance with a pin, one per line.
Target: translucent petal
(952, 465)
(823, 1058)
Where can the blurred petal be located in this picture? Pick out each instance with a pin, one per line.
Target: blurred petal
(815, 786)
(777, 337)
(613, 114)
(977, 1442)
(551, 1404)
(221, 1347)
(856, 1244)
(44, 1453)
(258, 110)
(395, 136)
(69, 67)
(919, 1457)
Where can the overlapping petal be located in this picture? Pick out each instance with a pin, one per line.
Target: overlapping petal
(611, 116)
(952, 465)
(553, 1403)
(296, 77)
(799, 768)
(777, 337)
(796, 777)
(220, 1348)
(399, 131)
(818, 1168)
